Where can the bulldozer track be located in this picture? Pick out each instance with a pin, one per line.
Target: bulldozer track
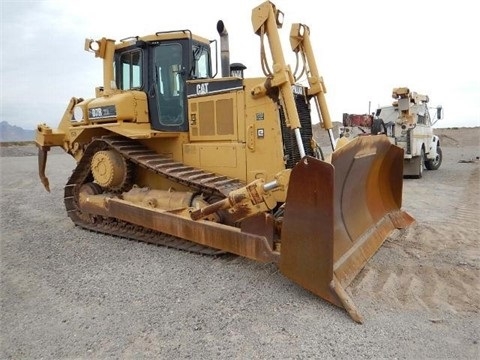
(139, 154)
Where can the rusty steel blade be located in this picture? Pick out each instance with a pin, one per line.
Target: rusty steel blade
(308, 227)
(368, 200)
(338, 215)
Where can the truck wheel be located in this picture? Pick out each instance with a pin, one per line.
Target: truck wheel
(434, 164)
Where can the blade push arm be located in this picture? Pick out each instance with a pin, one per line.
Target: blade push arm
(252, 199)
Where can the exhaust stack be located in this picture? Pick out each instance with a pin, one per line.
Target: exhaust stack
(224, 48)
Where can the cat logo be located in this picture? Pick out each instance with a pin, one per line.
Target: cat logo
(202, 89)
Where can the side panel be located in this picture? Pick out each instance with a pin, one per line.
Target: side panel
(264, 150)
(421, 137)
(216, 135)
(214, 117)
(221, 158)
(128, 106)
(229, 129)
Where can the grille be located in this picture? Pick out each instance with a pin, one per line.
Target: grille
(290, 148)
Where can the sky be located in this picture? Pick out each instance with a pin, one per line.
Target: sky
(363, 49)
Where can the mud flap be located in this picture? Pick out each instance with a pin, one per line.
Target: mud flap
(338, 215)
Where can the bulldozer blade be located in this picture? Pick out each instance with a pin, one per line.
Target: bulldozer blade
(338, 214)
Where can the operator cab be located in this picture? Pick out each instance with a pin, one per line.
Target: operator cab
(160, 67)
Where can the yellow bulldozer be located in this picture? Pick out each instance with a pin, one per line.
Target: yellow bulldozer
(169, 153)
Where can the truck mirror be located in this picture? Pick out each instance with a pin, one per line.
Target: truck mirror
(439, 112)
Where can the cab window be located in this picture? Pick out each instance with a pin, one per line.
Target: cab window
(201, 65)
(131, 70)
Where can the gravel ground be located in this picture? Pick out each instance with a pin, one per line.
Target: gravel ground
(67, 293)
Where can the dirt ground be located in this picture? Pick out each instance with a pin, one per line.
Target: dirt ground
(435, 264)
(67, 293)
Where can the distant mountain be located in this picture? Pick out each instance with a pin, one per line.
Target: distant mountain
(15, 133)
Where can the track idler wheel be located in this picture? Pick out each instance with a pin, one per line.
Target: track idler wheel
(110, 170)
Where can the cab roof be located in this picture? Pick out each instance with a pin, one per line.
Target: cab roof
(161, 36)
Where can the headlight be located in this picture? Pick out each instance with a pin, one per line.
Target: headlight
(78, 113)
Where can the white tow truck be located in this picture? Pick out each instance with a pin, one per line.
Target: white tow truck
(408, 124)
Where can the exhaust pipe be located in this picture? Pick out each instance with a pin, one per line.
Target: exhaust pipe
(224, 48)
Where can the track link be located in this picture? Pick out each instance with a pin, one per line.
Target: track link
(140, 155)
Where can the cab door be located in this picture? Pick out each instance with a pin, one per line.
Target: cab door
(167, 98)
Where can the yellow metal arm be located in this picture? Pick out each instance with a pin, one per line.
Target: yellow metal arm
(266, 20)
(300, 42)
